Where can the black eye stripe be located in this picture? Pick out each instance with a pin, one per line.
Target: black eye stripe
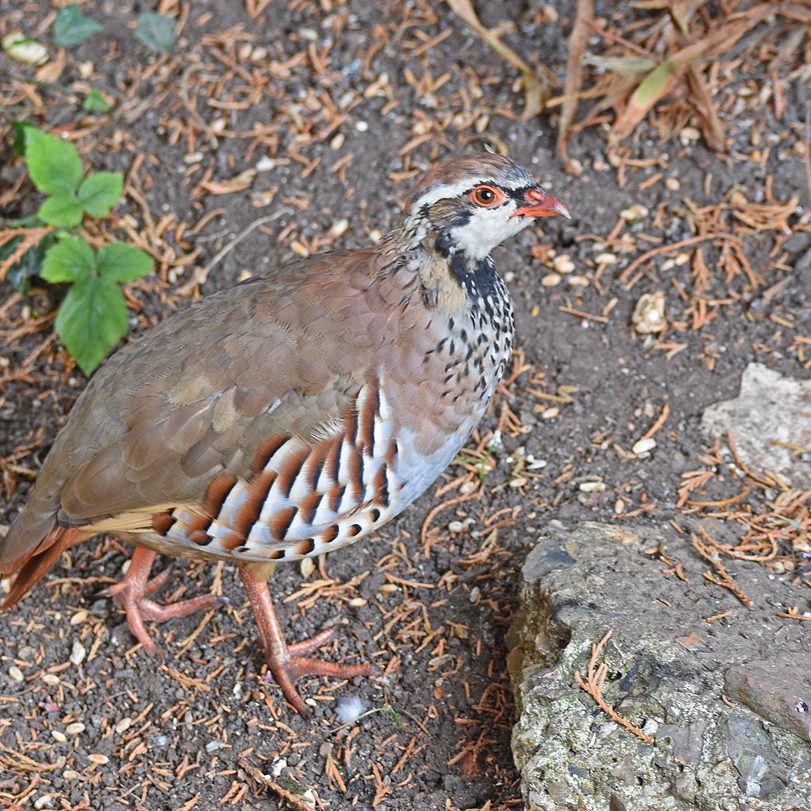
(518, 195)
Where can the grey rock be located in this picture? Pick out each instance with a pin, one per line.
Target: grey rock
(776, 690)
(666, 675)
(770, 417)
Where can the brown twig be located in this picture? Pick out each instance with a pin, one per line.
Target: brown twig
(669, 248)
(574, 81)
(594, 687)
(660, 421)
(30, 238)
(264, 780)
(723, 578)
(426, 525)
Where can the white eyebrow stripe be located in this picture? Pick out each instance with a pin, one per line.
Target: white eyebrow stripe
(456, 189)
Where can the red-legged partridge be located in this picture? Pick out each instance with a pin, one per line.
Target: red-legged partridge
(292, 414)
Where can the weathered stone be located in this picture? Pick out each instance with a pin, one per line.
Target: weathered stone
(776, 690)
(666, 669)
(771, 422)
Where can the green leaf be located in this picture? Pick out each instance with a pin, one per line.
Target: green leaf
(95, 102)
(100, 192)
(70, 260)
(72, 26)
(28, 266)
(63, 210)
(54, 164)
(123, 262)
(20, 128)
(91, 321)
(156, 31)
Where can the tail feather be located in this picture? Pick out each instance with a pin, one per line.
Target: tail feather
(35, 564)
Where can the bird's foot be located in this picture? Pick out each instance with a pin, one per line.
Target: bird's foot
(286, 663)
(131, 595)
(287, 666)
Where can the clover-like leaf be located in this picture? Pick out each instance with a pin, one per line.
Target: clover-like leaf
(70, 260)
(92, 320)
(100, 192)
(156, 31)
(123, 262)
(95, 102)
(72, 26)
(62, 210)
(54, 164)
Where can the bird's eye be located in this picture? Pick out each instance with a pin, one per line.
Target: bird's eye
(486, 196)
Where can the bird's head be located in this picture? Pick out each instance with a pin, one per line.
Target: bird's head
(472, 204)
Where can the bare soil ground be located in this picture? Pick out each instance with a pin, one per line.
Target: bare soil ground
(321, 114)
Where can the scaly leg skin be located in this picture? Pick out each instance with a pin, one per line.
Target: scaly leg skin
(287, 664)
(130, 594)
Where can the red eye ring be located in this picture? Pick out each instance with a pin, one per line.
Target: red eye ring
(486, 196)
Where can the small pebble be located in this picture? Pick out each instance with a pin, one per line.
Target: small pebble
(123, 725)
(634, 212)
(563, 263)
(689, 135)
(23, 49)
(339, 228)
(77, 653)
(644, 445)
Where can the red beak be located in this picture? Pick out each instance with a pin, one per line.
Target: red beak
(541, 204)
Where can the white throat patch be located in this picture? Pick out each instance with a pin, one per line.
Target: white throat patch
(487, 228)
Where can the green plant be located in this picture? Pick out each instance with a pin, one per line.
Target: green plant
(56, 169)
(72, 26)
(93, 316)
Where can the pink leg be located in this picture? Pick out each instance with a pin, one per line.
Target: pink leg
(130, 594)
(286, 664)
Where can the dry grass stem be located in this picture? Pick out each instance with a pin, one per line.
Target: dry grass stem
(594, 687)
